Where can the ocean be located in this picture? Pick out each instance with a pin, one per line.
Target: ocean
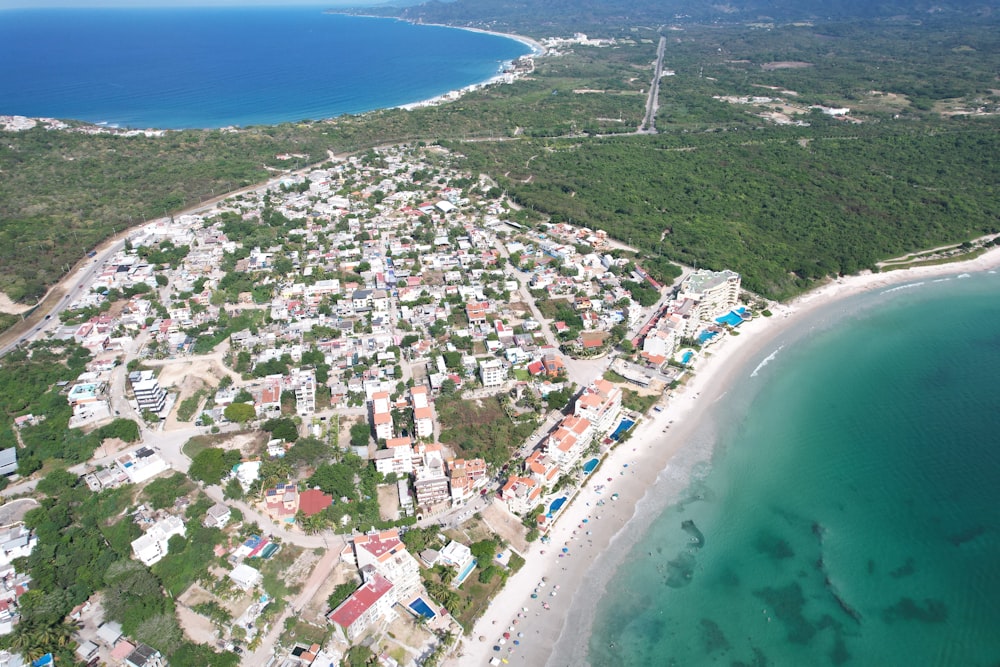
(216, 67)
(848, 512)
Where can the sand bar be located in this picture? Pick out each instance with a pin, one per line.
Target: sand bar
(558, 635)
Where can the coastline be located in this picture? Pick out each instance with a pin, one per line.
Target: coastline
(560, 636)
(450, 96)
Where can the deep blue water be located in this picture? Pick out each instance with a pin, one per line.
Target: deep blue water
(851, 512)
(214, 67)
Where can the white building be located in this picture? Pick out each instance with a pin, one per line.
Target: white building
(717, 292)
(149, 395)
(153, 546)
(304, 382)
(15, 542)
(492, 372)
(245, 577)
(141, 465)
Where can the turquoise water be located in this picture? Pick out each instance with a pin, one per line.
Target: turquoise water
(215, 67)
(851, 513)
(589, 466)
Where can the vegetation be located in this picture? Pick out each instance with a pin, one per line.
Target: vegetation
(481, 428)
(84, 545)
(163, 491)
(212, 464)
(785, 205)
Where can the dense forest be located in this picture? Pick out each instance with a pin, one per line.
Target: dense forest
(598, 16)
(781, 211)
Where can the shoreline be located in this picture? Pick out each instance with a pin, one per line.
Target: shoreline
(536, 48)
(560, 636)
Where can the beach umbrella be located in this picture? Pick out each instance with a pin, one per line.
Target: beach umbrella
(496, 648)
(534, 595)
(565, 550)
(482, 638)
(520, 634)
(506, 635)
(517, 643)
(586, 520)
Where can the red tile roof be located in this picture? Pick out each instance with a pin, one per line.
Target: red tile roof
(314, 501)
(360, 601)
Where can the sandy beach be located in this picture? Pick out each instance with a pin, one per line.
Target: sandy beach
(452, 95)
(589, 533)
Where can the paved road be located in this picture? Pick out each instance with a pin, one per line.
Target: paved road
(648, 125)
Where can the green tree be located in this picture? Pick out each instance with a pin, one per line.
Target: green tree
(360, 434)
(239, 412)
(212, 464)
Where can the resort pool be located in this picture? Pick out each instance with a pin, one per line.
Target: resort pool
(687, 357)
(706, 336)
(589, 466)
(421, 608)
(556, 506)
(624, 426)
(733, 318)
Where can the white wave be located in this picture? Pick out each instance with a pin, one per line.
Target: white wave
(991, 271)
(906, 286)
(963, 275)
(768, 359)
(941, 280)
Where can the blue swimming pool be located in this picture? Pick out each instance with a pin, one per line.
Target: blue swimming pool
(625, 425)
(589, 466)
(706, 336)
(687, 357)
(556, 506)
(420, 607)
(465, 573)
(733, 318)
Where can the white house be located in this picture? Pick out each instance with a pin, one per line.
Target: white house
(153, 546)
(245, 576)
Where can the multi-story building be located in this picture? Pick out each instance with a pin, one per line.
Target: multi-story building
(397, 457)
(521, 494)
(372, 602)
(380, 415)
(716, 292)
(304, 382)
(149, 395)
(601, 404)
(385, 552)
(423, 414)
(492, 372)
(153, 545)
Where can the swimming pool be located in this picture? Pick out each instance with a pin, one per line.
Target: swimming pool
(687, 357)
(421, 608)
(625, 425)
(465, 573)
(733, 318)
(706, 336)
(589, 466)
(556, 506)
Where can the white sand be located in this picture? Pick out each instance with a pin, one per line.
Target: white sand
(547, 637)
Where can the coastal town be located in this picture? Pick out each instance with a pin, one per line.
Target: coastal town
(373, 391)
